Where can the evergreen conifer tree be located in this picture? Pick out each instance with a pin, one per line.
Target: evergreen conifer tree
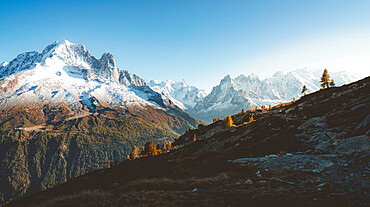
(304, 89)
(325, 79)
(332, 84)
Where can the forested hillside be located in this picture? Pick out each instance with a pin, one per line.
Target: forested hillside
(34, 160)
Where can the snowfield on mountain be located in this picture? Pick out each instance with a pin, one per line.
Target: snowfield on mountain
(247, 92)
(67, 72)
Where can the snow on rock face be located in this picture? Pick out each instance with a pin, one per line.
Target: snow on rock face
(223, 100)
(107, 67)
(67, 72)
(21, 62)
(4, 64)
(182, 94)
(232, 95)
(129, 79)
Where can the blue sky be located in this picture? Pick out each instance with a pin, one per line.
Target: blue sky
(200, 41)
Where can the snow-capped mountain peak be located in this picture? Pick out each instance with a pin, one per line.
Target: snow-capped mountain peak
(4, 64)
(67, 72)
(232, 95)
(227, 82)
(182, 94)
(253, 76)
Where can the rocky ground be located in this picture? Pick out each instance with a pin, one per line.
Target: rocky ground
(312, 152)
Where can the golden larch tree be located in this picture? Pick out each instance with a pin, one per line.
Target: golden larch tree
(164, 147)
(150, 149)
(134, 153)
(169, 145)
(325, 79)
(229, 121)
(251, 119)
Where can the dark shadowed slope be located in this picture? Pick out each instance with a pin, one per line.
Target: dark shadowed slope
(314, 152)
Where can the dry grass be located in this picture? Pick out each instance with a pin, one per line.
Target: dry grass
(141, 192)
(85, 198)
(165, 183)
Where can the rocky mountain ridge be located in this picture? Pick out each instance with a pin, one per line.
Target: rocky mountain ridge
(232, 95)
(182, 94)
(67, 72)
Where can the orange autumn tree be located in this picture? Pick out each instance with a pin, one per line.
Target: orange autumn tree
(169, 145)
(150, 148)
(251, 119)
(164, 147)
(229, 121)
(142, 150)
(325, 79)
(134, 154)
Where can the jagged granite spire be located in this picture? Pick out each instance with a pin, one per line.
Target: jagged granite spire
(67, 72)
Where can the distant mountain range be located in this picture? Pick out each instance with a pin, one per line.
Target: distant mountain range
(181, 93)
(232, 95)
(67, 72)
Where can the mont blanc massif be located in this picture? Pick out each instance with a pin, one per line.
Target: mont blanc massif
(68, 117)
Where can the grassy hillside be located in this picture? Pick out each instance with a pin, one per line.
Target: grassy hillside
(36, 157)
(312, 152)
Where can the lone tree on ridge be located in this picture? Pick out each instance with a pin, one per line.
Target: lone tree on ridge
(304, 89)
(325, 79)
